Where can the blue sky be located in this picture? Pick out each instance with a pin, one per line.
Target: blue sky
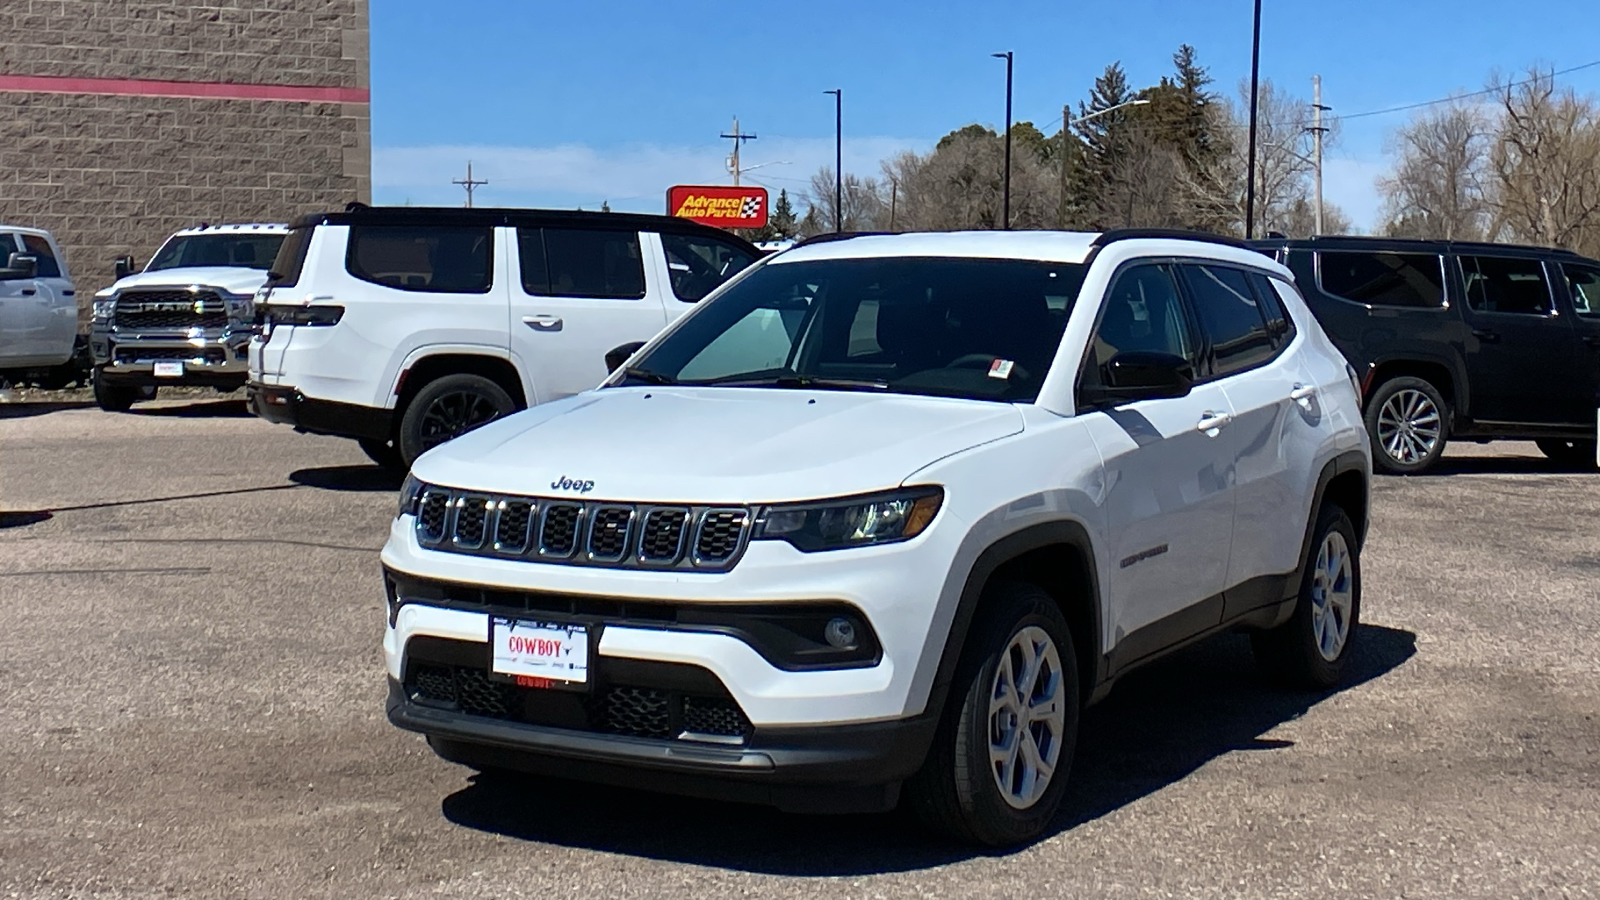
(568, 104)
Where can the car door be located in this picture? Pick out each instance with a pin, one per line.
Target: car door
(1582, 281)
(1168, 498)
(581, 291)
(57, 300)
(1521, 355)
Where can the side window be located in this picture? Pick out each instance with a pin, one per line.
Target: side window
(1499, 284)
(699, 264)
(605, 265)
(291, 256)
(40, 248)
(1584, 283)
(1382, 279)
(453, 260)
(1279, 325)
(530, 253)
(1142, 312)
(1227, 308)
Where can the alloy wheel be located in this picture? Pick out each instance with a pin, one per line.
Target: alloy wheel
(1027, 717)
(1409, 426)
(454, 414)
(1332, 596)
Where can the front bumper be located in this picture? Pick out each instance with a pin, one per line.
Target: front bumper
(212, 358)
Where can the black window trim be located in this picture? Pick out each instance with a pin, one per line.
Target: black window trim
(489, 263)
(1278, 347)
(1444, 278)
(515, 232)
(1552, 311)
(1202, 350)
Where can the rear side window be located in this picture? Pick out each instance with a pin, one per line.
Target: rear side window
(605, 265)
(1231, 316)
(1584, 283)
(40, 248)
(1498, 284)
(698, 263)
(291, 258)
(453, 260)
(1383, 279)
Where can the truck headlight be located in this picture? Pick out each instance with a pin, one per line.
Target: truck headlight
(851, 521)
(104, 309)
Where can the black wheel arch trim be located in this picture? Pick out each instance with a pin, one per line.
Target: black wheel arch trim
(1344, 463)
(1459, 395)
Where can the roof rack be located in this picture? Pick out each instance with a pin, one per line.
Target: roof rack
(1179, 234)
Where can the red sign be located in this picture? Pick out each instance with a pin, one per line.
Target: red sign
(719, 205)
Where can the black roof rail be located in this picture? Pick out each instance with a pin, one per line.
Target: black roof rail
(1430, 245)
(1180, 234)
(830, 236)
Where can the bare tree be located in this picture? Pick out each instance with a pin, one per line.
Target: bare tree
(1283, 163)
(1546, 164)
(958, 185)
(865, 208)
(1441, 186)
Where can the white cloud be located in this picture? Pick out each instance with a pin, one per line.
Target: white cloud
(634, 177)
(1352, 183)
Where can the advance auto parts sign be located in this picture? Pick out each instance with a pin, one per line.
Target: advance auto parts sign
(719, 205)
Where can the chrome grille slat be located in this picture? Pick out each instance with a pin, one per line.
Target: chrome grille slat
(180, 308)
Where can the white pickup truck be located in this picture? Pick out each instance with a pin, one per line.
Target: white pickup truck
(38, 309)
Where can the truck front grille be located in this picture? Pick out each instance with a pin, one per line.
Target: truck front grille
(170, 309)
(622, 535)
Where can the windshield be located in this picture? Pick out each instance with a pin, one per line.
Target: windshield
(982, 329)
(250, 251)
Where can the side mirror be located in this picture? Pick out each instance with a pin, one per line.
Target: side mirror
(124, 267)
(1140, 375)
(616, 356)
(20, 267)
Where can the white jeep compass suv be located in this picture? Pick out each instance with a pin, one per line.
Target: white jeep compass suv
(880, 517)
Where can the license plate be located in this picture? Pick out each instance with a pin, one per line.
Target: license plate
(169, 370)
(539, 654)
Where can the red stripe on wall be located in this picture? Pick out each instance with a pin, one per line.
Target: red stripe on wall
(138, 87)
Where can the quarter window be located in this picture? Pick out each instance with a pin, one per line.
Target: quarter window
(698, 264)
(1231, 317)
(449, 260)
(1279, 325)
(1584, 284)
(1499, 284)
(592, 263)
(40, 248)
(1383, 279)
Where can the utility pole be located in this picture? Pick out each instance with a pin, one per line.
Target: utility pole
(738, 138)
(1250, 167)
(469, 183)
(1317, 130)
(1066, 140)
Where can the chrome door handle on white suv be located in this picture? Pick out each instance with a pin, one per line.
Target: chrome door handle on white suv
(1302, 394)
(1211, 422)
(542, 322)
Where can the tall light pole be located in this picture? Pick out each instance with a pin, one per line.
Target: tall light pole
(1005, 191)
(1250, 167)
(838, 159)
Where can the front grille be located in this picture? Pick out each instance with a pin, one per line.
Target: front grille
(137, 354)
(170, 309)
(587, 534)
(714, 716)
(640, 712)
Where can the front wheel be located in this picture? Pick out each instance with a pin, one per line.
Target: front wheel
(1569, 454)
(1312, 648)
(115, 397)
(447, 408)
(384, 453)
(997, 769)
(1407, 422)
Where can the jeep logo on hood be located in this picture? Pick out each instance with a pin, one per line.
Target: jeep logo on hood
(567, 484)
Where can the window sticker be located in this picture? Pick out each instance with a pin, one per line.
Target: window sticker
(1001, 368)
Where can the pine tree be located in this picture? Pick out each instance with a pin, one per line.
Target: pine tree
(783, 223)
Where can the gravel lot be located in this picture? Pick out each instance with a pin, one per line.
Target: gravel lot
(193, 705)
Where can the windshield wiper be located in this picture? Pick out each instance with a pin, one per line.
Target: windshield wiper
(648, 377)
(801, 381)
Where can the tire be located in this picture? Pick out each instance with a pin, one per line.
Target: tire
(384, 453)
(115, 397)
(1408, 423)
(1569, 454)
(447, 408)
(1312, 648)
(958, 787)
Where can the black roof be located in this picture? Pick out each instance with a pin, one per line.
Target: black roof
(1402, 245)
(356, 214)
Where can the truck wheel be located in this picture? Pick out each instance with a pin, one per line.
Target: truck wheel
(1310, 650)
(997, 769)
(447, 408)
(384, 453)
(115, 397)
(1569, 454)
(1407, 423)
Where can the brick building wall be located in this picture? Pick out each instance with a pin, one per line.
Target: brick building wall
(124, 120)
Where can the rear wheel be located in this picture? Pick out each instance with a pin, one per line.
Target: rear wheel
(1407, 422)
(1310, 649)
(997, 769)
(447, 408)
(384, 453)
(1569, 454)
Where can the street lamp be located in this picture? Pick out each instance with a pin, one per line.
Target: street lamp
(1005, 193)
(838, 159)
(1250, 167)
(1066, 125)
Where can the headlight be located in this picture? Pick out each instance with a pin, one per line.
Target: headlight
(104, 309)
(410, 494)
(851, 521)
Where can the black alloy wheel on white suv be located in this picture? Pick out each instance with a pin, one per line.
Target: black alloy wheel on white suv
(447, 408)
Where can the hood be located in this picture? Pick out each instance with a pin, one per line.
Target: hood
(715, 445)
(233, 279)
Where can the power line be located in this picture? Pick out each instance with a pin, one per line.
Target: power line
(1492, 90)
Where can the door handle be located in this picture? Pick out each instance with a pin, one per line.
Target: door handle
(543, 322)
(1488, 337)
(1211, 421)
(1302, 393)
(28, 292)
